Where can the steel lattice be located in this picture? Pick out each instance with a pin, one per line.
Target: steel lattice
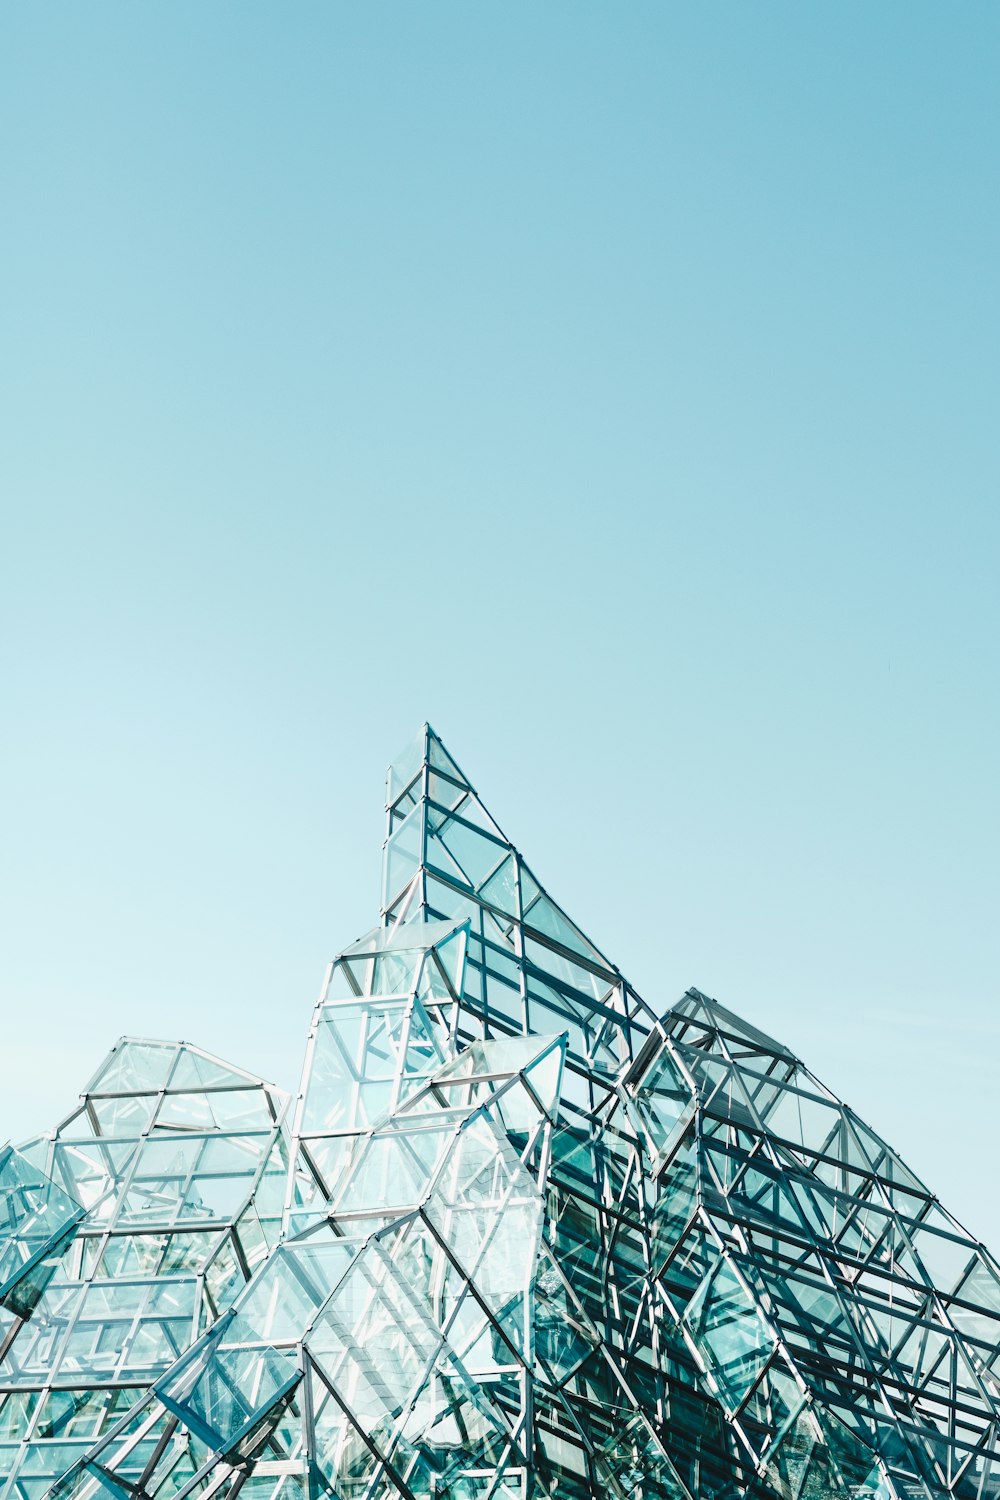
(522, 1236)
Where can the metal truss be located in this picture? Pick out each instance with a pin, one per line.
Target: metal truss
(523, 1236)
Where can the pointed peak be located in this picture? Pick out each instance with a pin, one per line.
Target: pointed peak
(425, 755)
(439, 760)
(446, 856)
(703, 1010)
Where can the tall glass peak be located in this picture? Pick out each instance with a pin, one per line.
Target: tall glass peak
(521, 1233)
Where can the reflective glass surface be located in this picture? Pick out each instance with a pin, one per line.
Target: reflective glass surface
(522, 1234)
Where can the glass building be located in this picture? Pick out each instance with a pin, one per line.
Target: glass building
(520, 1234)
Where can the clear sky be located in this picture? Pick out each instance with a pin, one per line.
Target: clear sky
(615, 386)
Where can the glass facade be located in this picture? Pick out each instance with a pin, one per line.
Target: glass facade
(521, 1234)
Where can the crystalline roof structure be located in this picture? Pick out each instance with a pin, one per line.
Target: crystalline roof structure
(521, 1235)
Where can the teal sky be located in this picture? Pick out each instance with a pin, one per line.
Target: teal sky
(615, 387)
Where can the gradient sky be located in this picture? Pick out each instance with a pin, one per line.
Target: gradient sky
(615, 387)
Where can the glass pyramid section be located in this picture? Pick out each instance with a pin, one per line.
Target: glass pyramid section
(521, 1234)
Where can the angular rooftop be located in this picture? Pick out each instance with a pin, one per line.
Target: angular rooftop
(521, 1234)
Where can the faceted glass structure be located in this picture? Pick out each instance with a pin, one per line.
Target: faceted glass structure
(521, 1234)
